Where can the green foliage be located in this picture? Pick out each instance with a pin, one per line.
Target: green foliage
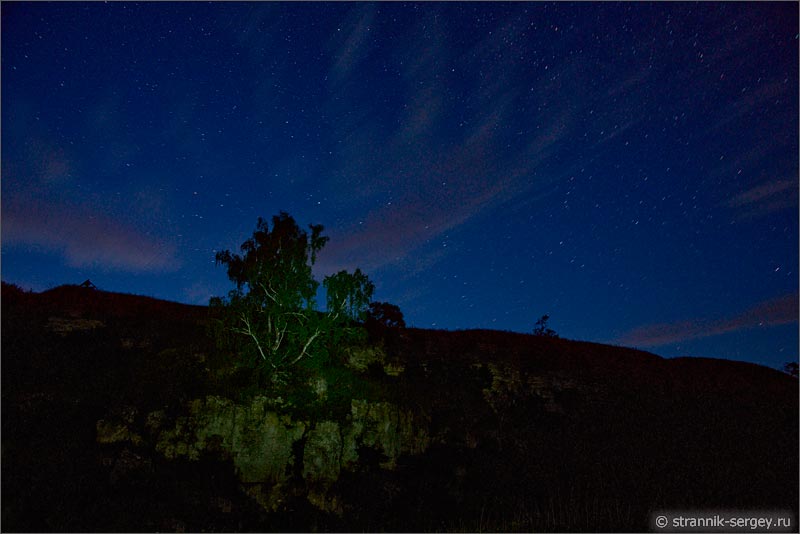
(542, 329)
(270, 320)
(301, 396)
(347, 299)
(348, 295)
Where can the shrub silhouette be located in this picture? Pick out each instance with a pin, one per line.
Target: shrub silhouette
(541, 328)
(385, 315)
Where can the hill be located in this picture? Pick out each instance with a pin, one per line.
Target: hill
(120, 414)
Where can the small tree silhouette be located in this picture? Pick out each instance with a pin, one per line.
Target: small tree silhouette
(385, 315)
(791, 368)
(541, 328)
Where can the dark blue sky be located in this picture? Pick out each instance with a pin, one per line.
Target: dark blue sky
(630, 169)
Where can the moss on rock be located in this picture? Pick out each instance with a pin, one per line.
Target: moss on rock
(262, 444)
(384, 427)
(109, 432)
(259, 441)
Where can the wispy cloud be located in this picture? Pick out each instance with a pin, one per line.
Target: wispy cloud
(85, 237)
(423, 112)
(198, 293)
(352, 49)
(634, 81)
(450, 155)
(765, 198)
(48, 164)
(422, 184)
(753, 101)
(775, 312)
(391, 233)
(443, 190)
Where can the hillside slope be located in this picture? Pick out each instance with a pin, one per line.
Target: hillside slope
(119, 414)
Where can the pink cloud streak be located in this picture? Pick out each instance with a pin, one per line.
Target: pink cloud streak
(774, 312)
(764, 199)
(85, 238)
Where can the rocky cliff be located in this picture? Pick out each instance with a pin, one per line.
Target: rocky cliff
(116, 420)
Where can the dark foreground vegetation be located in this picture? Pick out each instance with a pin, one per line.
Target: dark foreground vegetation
(513, 432)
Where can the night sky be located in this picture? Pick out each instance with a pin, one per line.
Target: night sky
(629, 169)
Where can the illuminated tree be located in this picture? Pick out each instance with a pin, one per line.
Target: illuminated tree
(348, 295)
(271, 317)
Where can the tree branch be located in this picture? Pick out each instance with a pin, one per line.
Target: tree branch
(250, 333)
(305, 348)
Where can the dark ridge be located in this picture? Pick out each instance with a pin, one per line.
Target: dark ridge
(527, 351)
(76, 300)
(528, 433)
(743, 379)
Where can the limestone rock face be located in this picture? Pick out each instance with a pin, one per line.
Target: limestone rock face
(331, 447)
(322, 463)
(64, 326)
(509, 386)
(384, 427)
(360, 359)
(109, 432)
(276, 457)
(258, 440)
(323, 454)
(261, 443)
